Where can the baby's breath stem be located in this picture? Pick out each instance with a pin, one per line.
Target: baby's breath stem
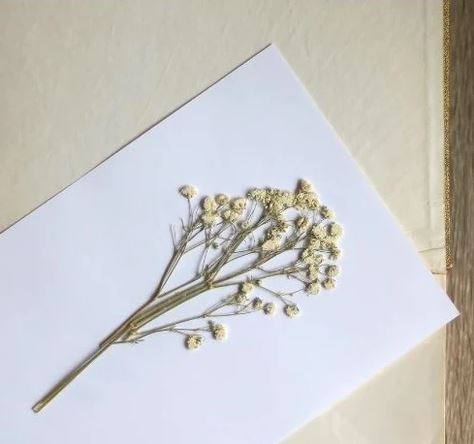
(207, 227)
(73, 374)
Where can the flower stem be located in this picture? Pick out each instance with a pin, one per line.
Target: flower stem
(63, 383)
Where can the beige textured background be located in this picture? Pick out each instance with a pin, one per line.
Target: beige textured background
(80, 79)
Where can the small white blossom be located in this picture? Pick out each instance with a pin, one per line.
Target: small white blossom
(269, 308)
(230, 215)
(222, 199)
(313, 272)
(305, 185)
(240, 297)
(319, 231)
(239, 203)
(246, 287)
(258, 194)
(332, 270)
(335, 230)
(329, 283)
(193, 341)
(306, 201)
(209, 218)
(245, 225)
(270, 245)
(218, 331)
(209, 204)
(257, 303)
(326, 213)
(313, 288)
(291, 310)
(334, 253)
(188, 191)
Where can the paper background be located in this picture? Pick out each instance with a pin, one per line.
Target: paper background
(79, 80)
(96, 245)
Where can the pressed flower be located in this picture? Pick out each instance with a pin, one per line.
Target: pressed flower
(306, 201)
(319, 231)
(257, 304)
(209, 218)
(193, 341)
(246, 287)
(280, 221)
(334, 253)
(329, 283)
(291, 310)
(239, 203)
(305, 185)
(325, 212)
(188, 191)
(257, 194)
(313, 272)
(219, 331)
(230, 215)
(245, 225)
(240, 297)
(335, 230)
(313, 288)
(222, 199)
(209, 204)
(269, 308)
(270, 245)
(332, 270)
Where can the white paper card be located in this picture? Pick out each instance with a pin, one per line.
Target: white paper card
(72, 270)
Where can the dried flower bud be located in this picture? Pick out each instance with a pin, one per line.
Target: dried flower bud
(239, 203)
(329, 283)
(313, 272)
(246, 287)
(305, 185)
(209, 204)
(308, 256)
(326, 213)
(218, 331)
(193, 341)
(222, 199)
(257, 304)
(270, 245)
(258, 194)
(334, 253)
(319, 231)
(209, 218)
(332, 270)
(291, 310)
(335, 230)
(240, 298)
(313, 288)
(245, 225)
(188, 191)
(306, 200)
(230, 215)
(269, 308)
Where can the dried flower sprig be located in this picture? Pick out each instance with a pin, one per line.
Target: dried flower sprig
(238, 240)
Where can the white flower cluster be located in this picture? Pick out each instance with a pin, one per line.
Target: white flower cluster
(218, 207)
(278, 221)
(275, 201)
